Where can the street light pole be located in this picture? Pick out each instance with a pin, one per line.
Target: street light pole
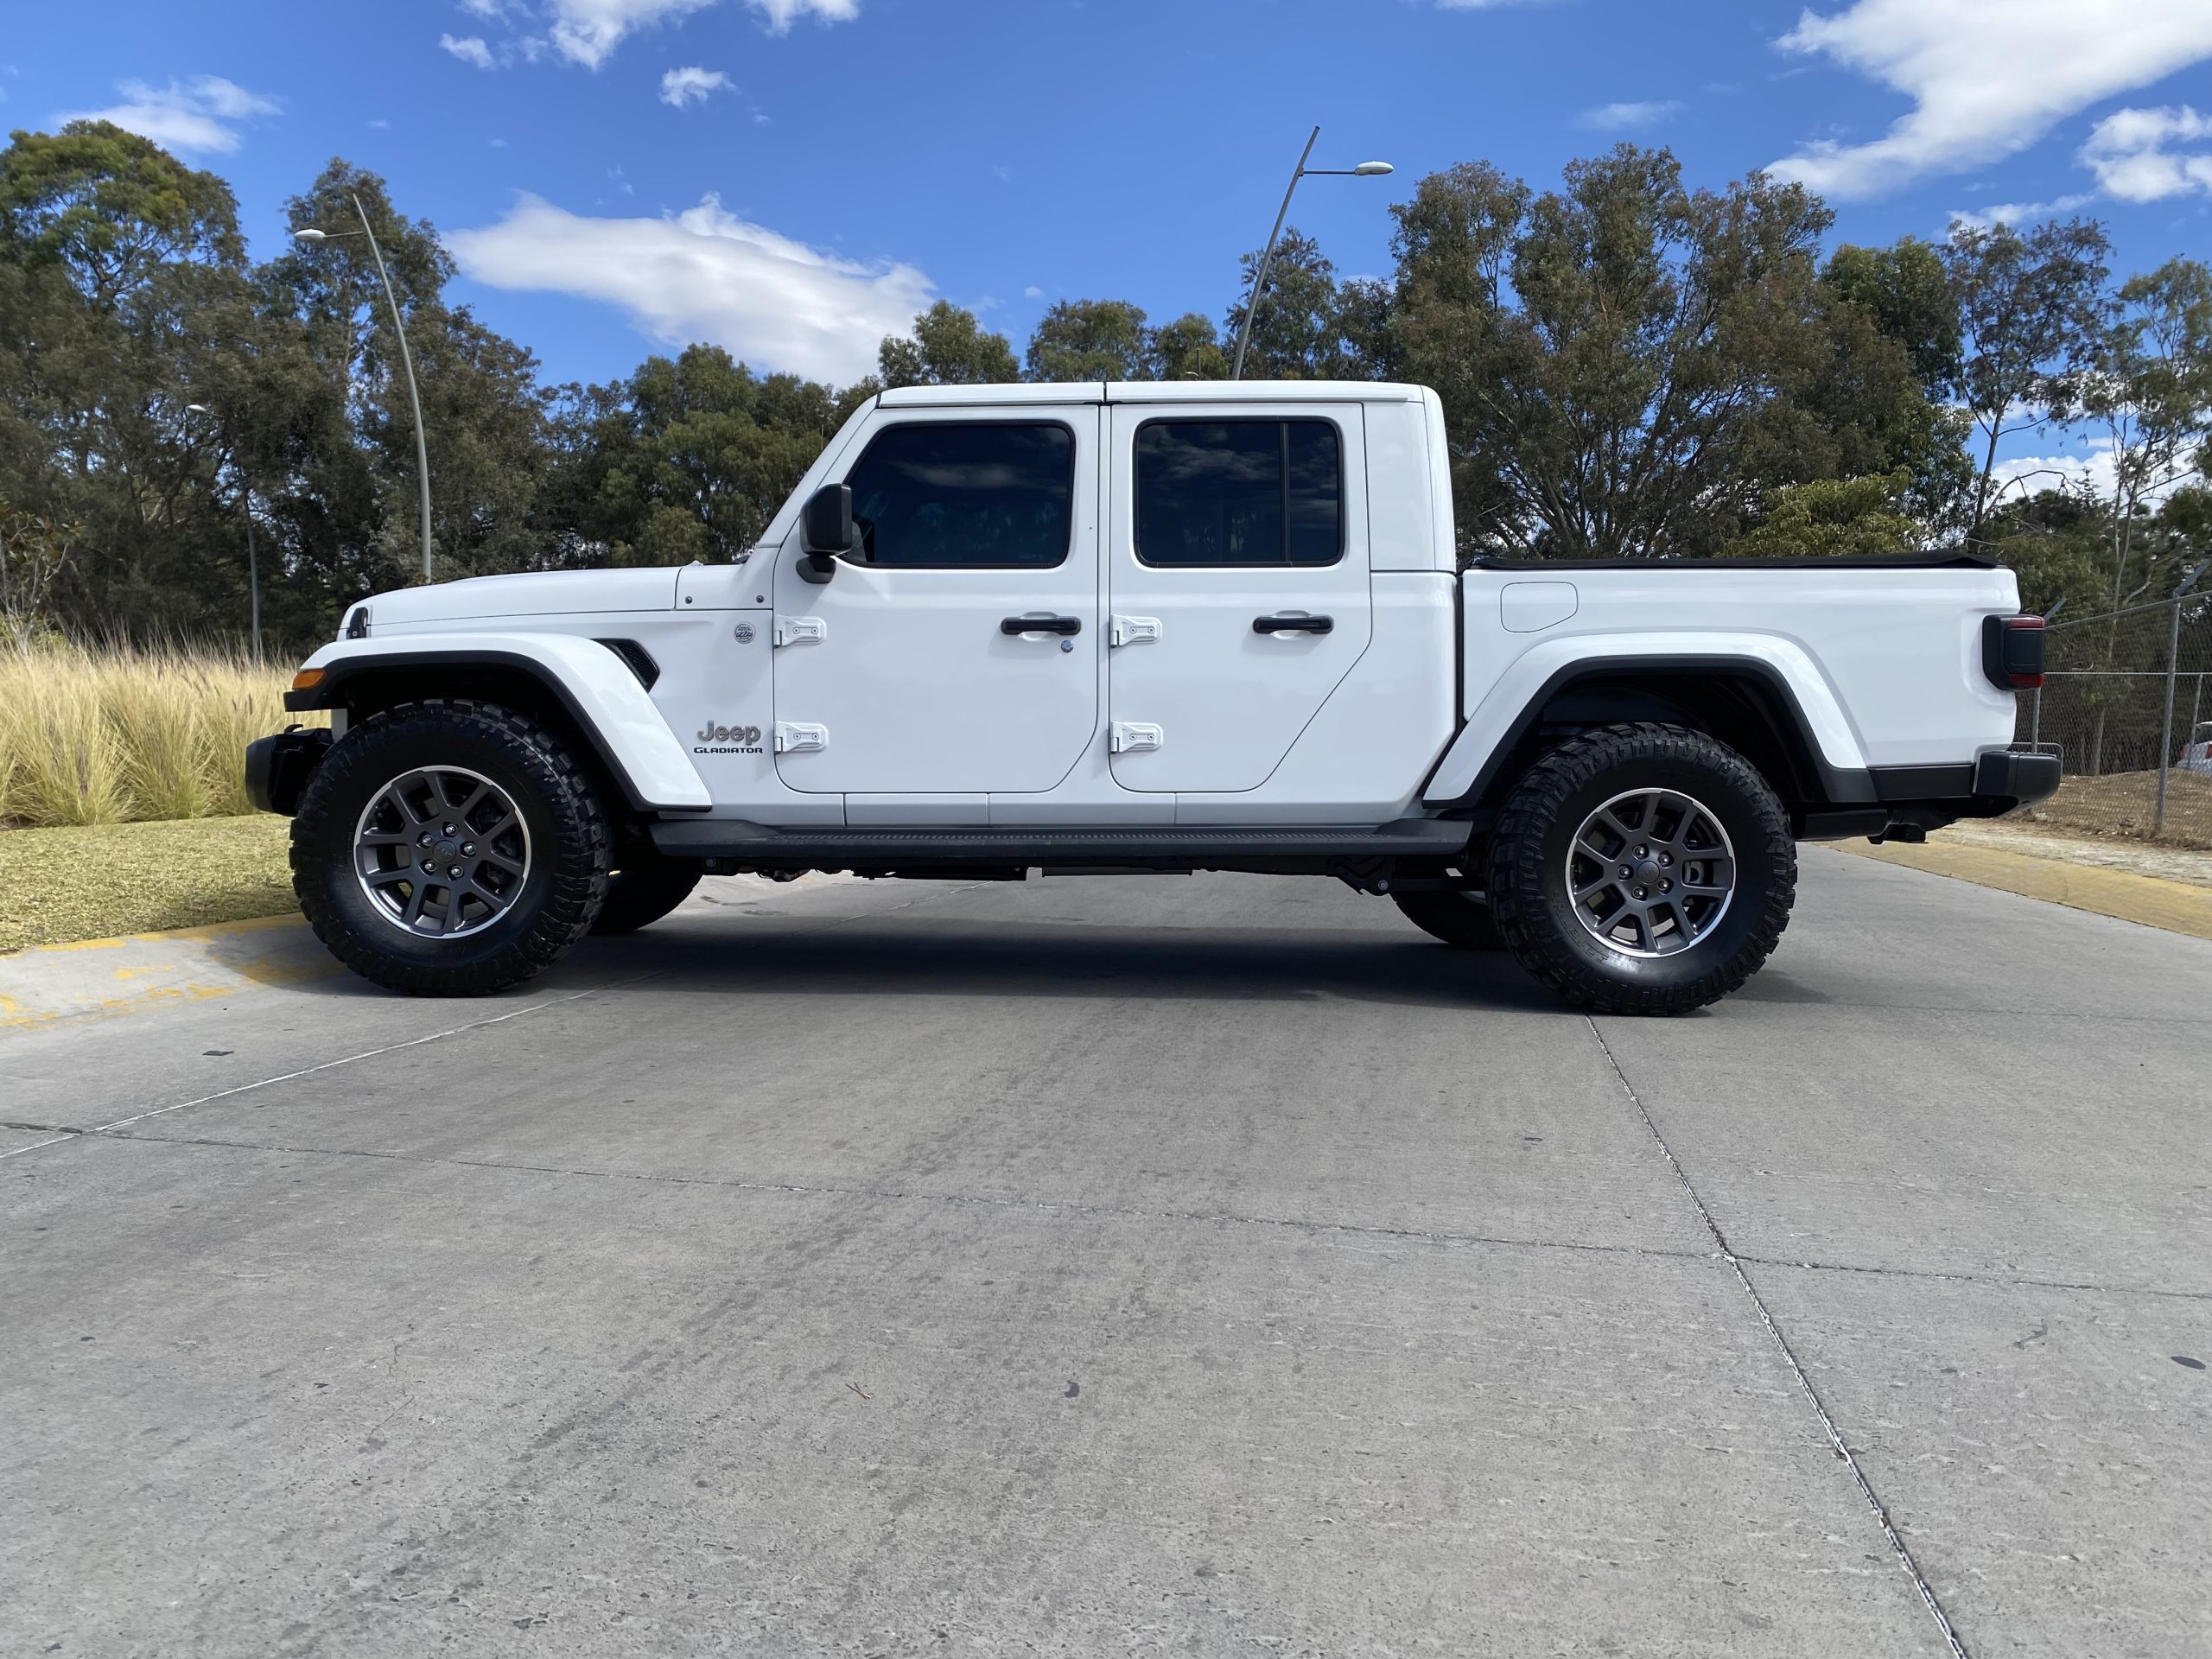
(1365, 170)
(406, 362)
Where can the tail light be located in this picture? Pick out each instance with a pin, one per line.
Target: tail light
(2011, 651)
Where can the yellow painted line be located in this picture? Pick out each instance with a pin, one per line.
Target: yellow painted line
(51, 983)
(2174, 906)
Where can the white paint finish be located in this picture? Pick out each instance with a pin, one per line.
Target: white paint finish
(1895, 653)
(1363, 757)
(967, 400)
(1228, 702)
(741, 587)
(1274, 393)
(1532, 606)
(920, 690)
(964, 809)
(600, 685)
(1401, 521)
(1525, 675)
(552, 593)
(709, 680)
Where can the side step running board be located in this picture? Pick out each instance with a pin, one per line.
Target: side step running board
(754, 844)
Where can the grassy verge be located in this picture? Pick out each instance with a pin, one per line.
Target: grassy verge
(2125, 804)
(96, 880)
(118, 736)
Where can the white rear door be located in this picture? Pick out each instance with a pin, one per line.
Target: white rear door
(907, 672)
(1237, 586)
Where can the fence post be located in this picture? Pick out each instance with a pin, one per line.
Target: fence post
(2173, 661)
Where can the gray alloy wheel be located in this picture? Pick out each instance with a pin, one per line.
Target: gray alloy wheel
(1651, 871)
(441, 852)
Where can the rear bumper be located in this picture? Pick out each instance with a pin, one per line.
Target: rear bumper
(1913, 800)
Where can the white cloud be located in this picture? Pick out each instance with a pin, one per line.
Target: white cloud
(1988, 77)
(1628, 117)
(587, 31)
(2131, 153)
(781, 13)
(707, 275)
(2019, 214)
(199, 115)
(1032, 292)
(490, 11)
(471, 50)
(690, 85)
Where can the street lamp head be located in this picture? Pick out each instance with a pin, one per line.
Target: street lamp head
(311, 236)
(1372, 169)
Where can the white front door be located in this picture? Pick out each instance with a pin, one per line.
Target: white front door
(908, 671)
(1237, 587)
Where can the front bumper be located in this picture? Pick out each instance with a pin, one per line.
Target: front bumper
(277, 768)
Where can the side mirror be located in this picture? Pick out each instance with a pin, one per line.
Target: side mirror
(825, 530)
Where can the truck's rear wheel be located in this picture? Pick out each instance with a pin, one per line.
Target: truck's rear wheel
(450, 849)
(644, 889)
(1454, 918)
(1642, 870)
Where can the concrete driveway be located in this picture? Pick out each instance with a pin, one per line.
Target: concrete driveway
(1211, 1265)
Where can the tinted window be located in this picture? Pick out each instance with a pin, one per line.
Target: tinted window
(941, 493)
(1239, 493)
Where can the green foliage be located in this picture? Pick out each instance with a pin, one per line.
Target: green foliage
(1628, 366)
(1187, 349)
(1839, 518)
(950, 348)
(687, 460)
(1309, 325)
(1905, 291)
(1089, 339)
(2030, 305)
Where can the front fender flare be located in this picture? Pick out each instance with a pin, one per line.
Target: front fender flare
(597, 688)
(1512, 703)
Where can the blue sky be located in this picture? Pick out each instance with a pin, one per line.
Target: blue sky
(792, 177)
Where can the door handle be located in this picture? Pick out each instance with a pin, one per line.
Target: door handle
(1041, 624)
(1294, 623)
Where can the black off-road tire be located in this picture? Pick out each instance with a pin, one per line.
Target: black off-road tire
(559, 897)
(644, 889)
(1528, 882)
(1454, 918)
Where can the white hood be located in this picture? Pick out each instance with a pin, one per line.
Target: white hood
(548, 593)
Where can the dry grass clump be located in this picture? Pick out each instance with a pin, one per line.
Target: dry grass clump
(2124, 804)
(111, 736)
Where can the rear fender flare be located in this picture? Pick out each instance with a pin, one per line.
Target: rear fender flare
(599, 690)
(1511, 706)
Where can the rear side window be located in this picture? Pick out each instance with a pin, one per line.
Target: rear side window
(951, 494)
(1236, 493)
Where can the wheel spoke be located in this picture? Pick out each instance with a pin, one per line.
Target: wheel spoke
(1658, 837)
(412, 812)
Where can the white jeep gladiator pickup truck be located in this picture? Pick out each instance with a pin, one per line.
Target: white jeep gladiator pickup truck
(1147, 627)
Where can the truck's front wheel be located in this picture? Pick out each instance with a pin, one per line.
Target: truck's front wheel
(1642, 870)
(450, 849)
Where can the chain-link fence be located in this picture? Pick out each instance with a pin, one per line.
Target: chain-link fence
(2126, 704)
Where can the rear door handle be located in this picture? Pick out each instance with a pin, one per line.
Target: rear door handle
(1041, 624)
(1294, 623)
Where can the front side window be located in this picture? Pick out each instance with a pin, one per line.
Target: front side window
(1236, 493)
(948, 494)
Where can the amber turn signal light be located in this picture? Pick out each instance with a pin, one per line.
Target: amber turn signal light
(307, 678)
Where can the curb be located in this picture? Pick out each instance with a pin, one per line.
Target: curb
(90, 979)
(2149, 900)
